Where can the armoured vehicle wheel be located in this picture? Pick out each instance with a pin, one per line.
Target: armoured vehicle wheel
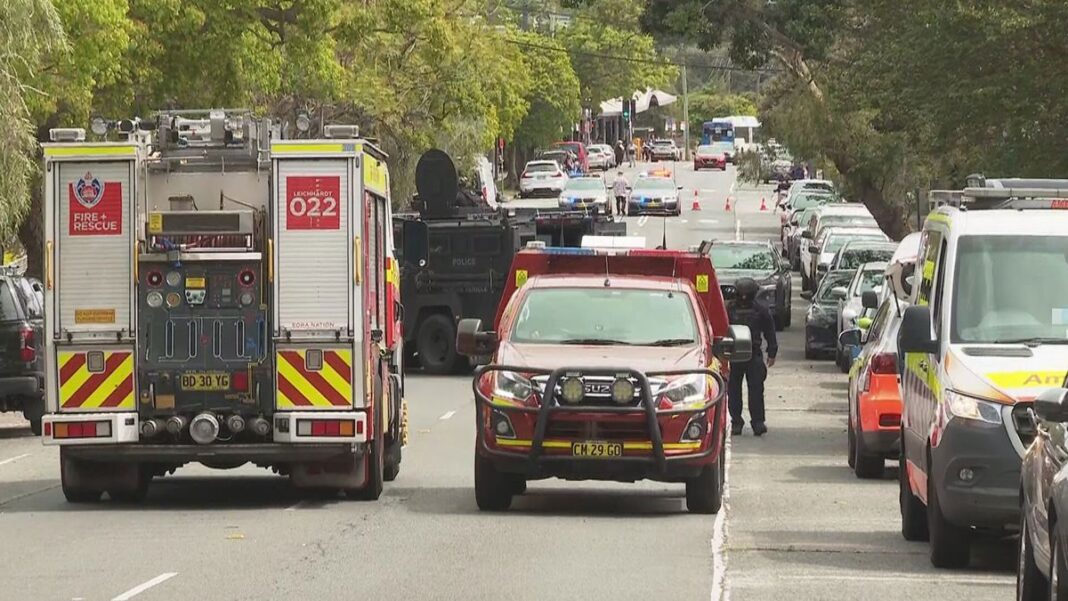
(436, 344)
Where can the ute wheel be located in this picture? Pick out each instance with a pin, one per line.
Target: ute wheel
(493, 489)
(865, 466)
(704, 494)
(436, 344)
(71, 475)
(789, 317)
(913, 513)
(520, 486)
(810, 353)
(951, 545)
(35, 426)
(1031, 585)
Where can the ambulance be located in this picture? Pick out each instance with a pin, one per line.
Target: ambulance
(216, 294)
(987, 331)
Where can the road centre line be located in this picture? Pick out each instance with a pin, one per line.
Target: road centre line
(144, 586)
(14, 459)
(642, 220)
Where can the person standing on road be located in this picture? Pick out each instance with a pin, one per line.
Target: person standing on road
(619, 190)
(631, 151)
(746, 310)
(620, 153)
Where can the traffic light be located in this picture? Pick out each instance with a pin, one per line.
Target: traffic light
(626, 110)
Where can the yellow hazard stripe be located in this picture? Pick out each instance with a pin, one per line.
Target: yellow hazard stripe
(627, 446)
(75, 381)
(76, 150)
(308, 390)
(102, 392)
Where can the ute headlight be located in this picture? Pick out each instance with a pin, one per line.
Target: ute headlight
(154, 300)
(513, 386)
(690, 388)
(572, 390)
(622, 391)
(966, 407)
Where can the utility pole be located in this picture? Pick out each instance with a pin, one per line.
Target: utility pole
(685, 116)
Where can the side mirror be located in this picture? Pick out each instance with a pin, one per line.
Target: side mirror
(807, 235)
(737, 345)
(869, 299)
(416, 242)
(813, 248)
(784, 264)
(1050, 405)
(839, 292)
(806, 294)
(907, 285)
(680, 187)
(822, 268)
(849, 337)
(471, 341)
(915, 335)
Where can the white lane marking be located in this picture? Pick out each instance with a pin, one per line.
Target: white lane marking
(756, 581)
(721, 590)
(140, 588)
(642, 220)
(447, 415)
(683, 221)
(737, 228)
(14, 459)
(709, 221)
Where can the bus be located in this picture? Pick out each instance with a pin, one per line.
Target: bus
(717, 130)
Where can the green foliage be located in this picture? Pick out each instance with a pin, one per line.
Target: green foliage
(705, 106)
(553, 95)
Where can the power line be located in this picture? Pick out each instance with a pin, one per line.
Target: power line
(633, 59)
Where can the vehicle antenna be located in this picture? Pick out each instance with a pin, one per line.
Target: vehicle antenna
(607, 281)
(663, 244)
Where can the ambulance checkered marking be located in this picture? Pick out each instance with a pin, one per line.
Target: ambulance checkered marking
(110, 389)
(328, 388)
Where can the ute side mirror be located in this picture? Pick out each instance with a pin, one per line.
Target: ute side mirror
(906, 283)
(737, 345)
(850, 338)
(813, 248)
(416, 236)
(869, 299)
(915, 335)
(471, 341)
(822, 268)
(807, 235)
(1050, 405)
(839, 292)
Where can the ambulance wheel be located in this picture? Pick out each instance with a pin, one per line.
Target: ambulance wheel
(493, 489)
(951, 545)
(704, 493)
(436, 344)
(72, 473)
(913, 513)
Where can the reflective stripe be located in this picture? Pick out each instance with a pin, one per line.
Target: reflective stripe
(96, 151)
(80, 389)
(627, 446)
(326, 388)
(316, 148)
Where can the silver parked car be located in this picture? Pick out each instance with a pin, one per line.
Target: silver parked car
(657, 195)
(586, 193)
(542, 178)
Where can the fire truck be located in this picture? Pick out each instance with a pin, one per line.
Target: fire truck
(217, 294)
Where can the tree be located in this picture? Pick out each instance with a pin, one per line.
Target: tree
(553, 95)
(29, 31)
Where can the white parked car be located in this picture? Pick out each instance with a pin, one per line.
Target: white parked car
(601, 156)
(542, 178)
(665, 150)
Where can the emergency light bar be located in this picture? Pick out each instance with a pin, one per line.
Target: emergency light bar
(590, 241)
(1007, 198)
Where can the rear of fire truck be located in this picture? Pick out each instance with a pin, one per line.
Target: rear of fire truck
(219, 296)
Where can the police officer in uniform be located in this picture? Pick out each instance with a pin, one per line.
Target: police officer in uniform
(746, 310)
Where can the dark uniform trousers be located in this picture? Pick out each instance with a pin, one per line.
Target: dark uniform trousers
(762, 327)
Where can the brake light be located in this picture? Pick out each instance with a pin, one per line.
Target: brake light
(525, 175)
(239, 381)
(884, 363)
(329, 427)
(27, 351)
(93, 429)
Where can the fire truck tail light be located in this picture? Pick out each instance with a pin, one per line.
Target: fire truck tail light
(88, 429)
(239, 381)
(329, 427)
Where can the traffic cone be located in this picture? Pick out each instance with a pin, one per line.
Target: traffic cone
(727, 206)
(696, 203)
(763, 205)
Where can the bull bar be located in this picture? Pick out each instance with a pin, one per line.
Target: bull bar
(548, 405)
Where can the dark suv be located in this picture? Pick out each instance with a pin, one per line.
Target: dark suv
(21, 334)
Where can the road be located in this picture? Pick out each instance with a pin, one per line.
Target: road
(796, 522)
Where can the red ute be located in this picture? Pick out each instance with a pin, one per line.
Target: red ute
(604, 365)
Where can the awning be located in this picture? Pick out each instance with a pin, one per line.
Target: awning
(643, 101)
